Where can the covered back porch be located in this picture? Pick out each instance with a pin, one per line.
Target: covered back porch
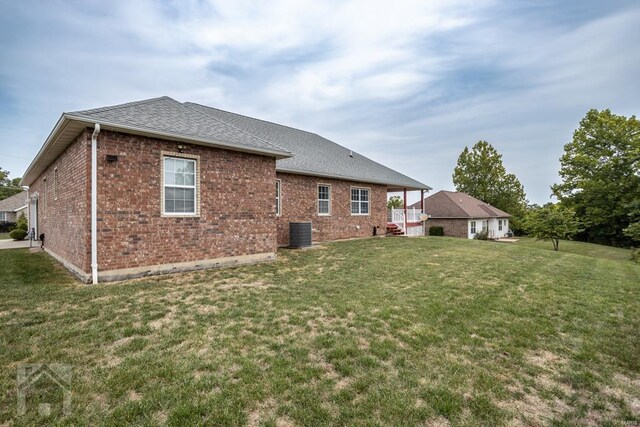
(405, 220)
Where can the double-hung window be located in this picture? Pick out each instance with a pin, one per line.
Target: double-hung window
(179, 186)
(278, 197)
(499, 225)
(473, 227)
(3, 216)
(324, 199)
(359, 201)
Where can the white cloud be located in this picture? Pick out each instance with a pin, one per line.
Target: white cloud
(408, 83)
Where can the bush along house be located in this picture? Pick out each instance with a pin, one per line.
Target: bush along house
(159, 186)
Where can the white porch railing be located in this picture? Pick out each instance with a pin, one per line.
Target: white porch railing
(397, 217)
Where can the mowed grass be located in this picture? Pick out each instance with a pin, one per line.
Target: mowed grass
(4, 236)
(581, 248)
(371, 332)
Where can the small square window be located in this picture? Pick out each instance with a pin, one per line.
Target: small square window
(359, 201)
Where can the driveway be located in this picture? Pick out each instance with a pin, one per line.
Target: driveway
(15, 244)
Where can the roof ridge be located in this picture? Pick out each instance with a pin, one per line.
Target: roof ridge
(209, 116)
(117, 106)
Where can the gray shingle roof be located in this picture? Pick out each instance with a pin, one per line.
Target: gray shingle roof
(13, 203)
(313, 154)
(167, 115)
(454, 204)
(296, 151)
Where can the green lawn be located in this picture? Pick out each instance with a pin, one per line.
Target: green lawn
(4, 236)
(367, 332)
(581, 248)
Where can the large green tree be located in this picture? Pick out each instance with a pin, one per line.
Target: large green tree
(8, 187)
(600, 171)
(481, 174)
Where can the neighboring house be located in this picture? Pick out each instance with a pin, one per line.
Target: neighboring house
(157, 186)
(12, 207)
(464, 216)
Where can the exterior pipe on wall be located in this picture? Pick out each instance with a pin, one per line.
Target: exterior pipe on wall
(94, 203)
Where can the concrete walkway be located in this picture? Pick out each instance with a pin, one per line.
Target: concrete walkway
(15, 244)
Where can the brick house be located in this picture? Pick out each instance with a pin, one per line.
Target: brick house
(464, 216)
(158, 186)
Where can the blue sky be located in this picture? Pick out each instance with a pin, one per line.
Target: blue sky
(407, 83)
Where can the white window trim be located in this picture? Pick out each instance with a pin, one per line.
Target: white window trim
(196, 202)
(3, 216)
(360, 207)
(279, 197)
(473, 227)
(318, 199)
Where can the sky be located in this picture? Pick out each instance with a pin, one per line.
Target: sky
(407, 83)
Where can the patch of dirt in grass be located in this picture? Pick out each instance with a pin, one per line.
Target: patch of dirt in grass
(545, 359)
(438, 422)
(528, 405)
(531, 408)
(100, 401)
(284, 422)
(207, 309)
(163, 321)
(160, 418)
(363, 344)
(120, 342)
(134, 396)
(343, 383)
(264, 411)
(328, 368)
(626, 389)
(244, 285)
(112, 361)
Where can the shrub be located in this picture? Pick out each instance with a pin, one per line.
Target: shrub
(482, 235)
(18, 234)
(7, 226)
(635, 254)
(436, 231)
(22, 224)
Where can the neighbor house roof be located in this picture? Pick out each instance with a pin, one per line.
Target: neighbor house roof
(313, 154)
(296, 151)
(454, 204)
(14, 203)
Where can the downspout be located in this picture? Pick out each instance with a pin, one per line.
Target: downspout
(94, 203)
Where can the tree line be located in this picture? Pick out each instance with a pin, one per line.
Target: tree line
(8, 186)
(599, 193)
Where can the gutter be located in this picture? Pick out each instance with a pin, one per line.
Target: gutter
(66, 119)
(354, 179)
(94, 203)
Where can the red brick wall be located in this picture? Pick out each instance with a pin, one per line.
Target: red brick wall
(237, 207)
(299, 203)
(63, 208)
(452, 227)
